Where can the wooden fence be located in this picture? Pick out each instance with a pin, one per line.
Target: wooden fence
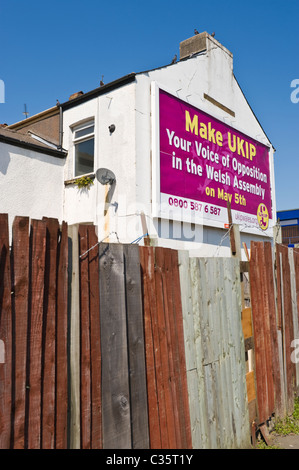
(215, 352)
(274, 277)
(130, 347)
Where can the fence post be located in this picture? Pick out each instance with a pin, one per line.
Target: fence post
(74, 297)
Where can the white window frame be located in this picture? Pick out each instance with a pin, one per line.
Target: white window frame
(77, 140)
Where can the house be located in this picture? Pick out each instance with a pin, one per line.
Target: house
(289, 222)
(31, 176)
(170, 153)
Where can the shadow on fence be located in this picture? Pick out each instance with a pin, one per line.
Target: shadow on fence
(130, 347)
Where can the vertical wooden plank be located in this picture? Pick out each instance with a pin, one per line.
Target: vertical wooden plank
(288, 330)
(138, 396)
(296, 299)
(189, 343)
(5, 336)
(74, 348)
(85, 365)
(180, 370)
(257, 315)
(280, 336)
(201, 425)
(278, 394)
(115, 380)
(173, 356)
(296, 267)
(62, 338)
(278, 284)
(95, 341)
(152, 370)
(36, 309)
(166, 385)
(208, 356)
(20, 275)
(158, 336)
(49, 332)
(223, 370)
(241, 402)
(230, 305)
(294, 314)
(265, 265)
(208, 282)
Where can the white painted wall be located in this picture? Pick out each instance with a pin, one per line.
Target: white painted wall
(128, 151)
(31, 183)
(114, 151)
(211, 73)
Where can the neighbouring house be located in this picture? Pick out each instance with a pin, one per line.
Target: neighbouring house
(31, 176)
(175, 153)
(289, 222)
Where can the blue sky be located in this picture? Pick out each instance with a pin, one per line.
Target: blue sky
(50, 50)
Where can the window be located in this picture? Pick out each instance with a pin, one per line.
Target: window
(84, 148)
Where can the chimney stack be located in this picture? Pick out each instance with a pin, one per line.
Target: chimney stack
(199, 43)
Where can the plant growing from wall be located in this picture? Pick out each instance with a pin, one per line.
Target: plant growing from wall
(84, 182)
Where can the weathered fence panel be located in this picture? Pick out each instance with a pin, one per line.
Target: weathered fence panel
(296, 302)
(49, 336)
(215, 353)
(35, 331)
(136, 348)
(74, 438)
(90, 340)
(20, 289)
(286, 325)
(61, 439)
(85, 367)
(153, 362)
(169, 418)
(5, 336)
(115, 383)
(124, 395)
(295, 313)
(131, 347)
(262, 332)
(36, 409)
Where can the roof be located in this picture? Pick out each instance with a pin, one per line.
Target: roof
(130, 78)
(36, 117)
(112, 85)
(288, 214)
(9, 136)
(99, 91)
(121, 82)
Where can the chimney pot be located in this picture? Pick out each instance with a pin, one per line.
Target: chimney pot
(76, 95)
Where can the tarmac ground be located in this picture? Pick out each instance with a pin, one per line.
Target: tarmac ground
(290, 441)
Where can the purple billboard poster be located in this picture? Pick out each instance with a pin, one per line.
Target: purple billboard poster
(204, 164)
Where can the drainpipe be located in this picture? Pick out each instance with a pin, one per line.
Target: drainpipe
(60, 128)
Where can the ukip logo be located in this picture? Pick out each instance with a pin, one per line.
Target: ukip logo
(263, 216)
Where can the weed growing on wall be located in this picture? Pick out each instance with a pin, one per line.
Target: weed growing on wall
(84, 183)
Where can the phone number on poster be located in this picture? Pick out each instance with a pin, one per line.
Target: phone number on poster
(194, 206)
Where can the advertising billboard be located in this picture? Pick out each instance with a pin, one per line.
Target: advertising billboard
(201, 164)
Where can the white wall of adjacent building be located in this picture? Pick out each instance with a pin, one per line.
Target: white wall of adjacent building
(31, 183)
